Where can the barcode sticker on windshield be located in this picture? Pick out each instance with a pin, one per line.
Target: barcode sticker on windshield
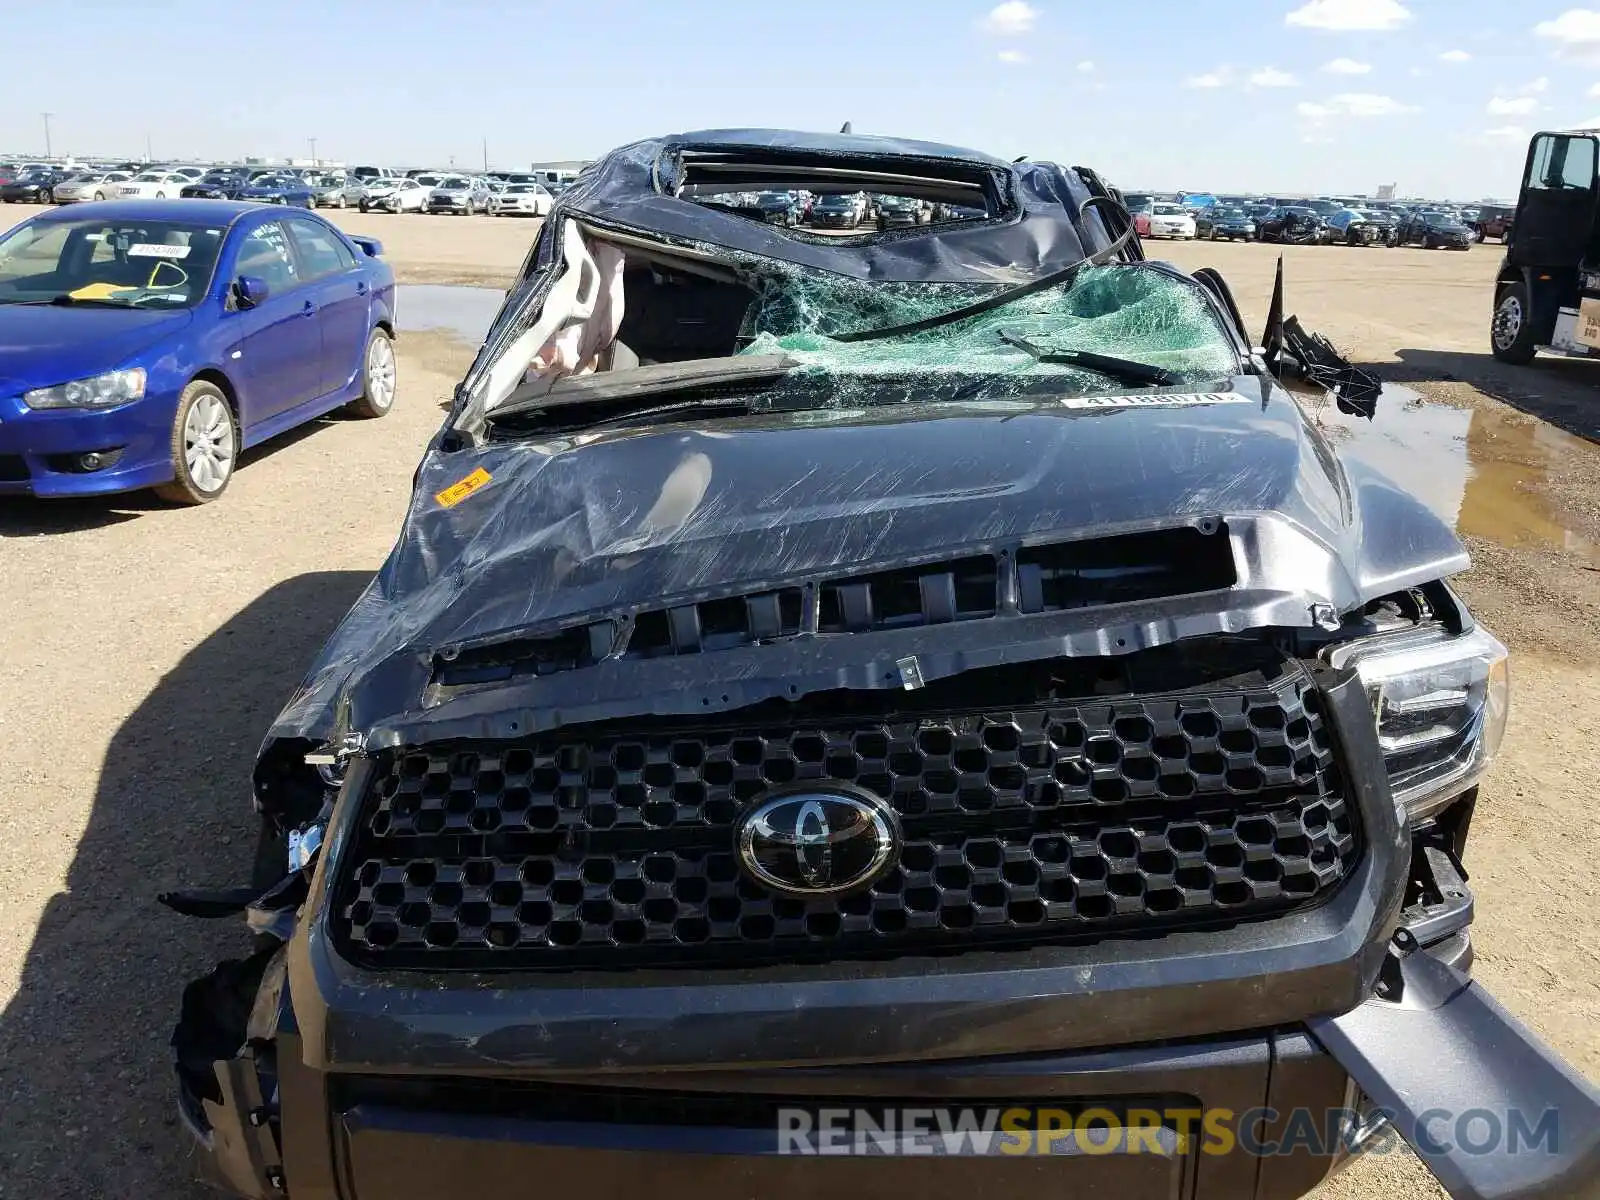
(156, 250)
(1155, 400)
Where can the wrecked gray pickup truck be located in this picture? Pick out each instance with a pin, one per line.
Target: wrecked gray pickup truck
(909, 712)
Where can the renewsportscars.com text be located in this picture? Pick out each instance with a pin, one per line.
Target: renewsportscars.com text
(1265, 1132)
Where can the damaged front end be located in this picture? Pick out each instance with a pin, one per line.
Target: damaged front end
(938, 663)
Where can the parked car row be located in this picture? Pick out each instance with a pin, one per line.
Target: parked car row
(1318, 222)
(369, 188)
(849, 212)
(460, 195)
(1349, 221)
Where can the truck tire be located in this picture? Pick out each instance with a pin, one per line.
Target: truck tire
(1510, 329)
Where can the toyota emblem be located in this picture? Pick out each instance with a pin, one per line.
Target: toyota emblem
(821, 840)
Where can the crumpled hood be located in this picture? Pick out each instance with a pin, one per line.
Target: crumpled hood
(599, 526)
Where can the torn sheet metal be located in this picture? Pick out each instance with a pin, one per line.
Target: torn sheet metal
(1039, 225)
(1314, 358)
(634, 187)
(601, 524)
(583, 531)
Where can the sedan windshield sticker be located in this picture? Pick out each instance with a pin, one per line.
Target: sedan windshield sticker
(155, 250)
(1155, 400)
(459, 491)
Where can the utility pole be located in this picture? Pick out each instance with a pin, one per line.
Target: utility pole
(313, 142)
(485, 156)
(47, 117)
(149, 155)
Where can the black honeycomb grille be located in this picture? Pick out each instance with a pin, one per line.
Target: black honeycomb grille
(1064, 821)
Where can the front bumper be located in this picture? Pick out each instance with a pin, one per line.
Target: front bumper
(38, 449)
(718, 1135)
(1429, 1059)
(397, 1085)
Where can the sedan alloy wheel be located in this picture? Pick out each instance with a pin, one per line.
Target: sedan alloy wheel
(208, 444)
(205, 445)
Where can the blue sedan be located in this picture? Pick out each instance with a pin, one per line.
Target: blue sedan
(145, 343)
(280, 188)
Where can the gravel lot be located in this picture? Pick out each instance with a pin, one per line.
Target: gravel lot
(147, 647)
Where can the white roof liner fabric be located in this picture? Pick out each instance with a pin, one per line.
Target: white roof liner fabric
(579, 321)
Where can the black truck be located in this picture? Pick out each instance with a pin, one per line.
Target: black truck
(1547, 291)
(913, 714)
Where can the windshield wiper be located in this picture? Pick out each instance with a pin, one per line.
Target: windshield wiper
(618, 388)
(66, 300)
(1125, 370)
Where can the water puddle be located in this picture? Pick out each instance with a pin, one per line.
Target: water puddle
(1481, 469)
(463, 312)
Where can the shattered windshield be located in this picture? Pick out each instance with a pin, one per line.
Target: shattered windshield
(1130, 312)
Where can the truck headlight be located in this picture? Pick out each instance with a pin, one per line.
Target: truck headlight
(1440, 702)
(100, 391)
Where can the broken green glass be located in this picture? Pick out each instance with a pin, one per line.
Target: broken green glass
(1127, 311)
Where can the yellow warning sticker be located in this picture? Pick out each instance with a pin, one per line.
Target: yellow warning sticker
(459, 491)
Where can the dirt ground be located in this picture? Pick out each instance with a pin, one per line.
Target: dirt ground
(146, 648)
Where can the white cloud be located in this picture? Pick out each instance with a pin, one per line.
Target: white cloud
(1576, 33)
(1522, 101)
(1346, 66)
(1012, 56)
(1354, 104)
(1221, 77)
(1455, 56)
(1271, 77)
(1506, 133)
(1316, 139)
(1086, 66)
(1595, 90)
(1512, 106)
(1011, 19)
(1343, 16)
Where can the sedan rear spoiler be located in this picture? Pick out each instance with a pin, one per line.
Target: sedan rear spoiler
(1489, 1108)
(372, 246)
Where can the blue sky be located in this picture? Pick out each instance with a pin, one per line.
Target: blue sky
(1326, 95)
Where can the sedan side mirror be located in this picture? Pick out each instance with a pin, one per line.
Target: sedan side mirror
(249, 291)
